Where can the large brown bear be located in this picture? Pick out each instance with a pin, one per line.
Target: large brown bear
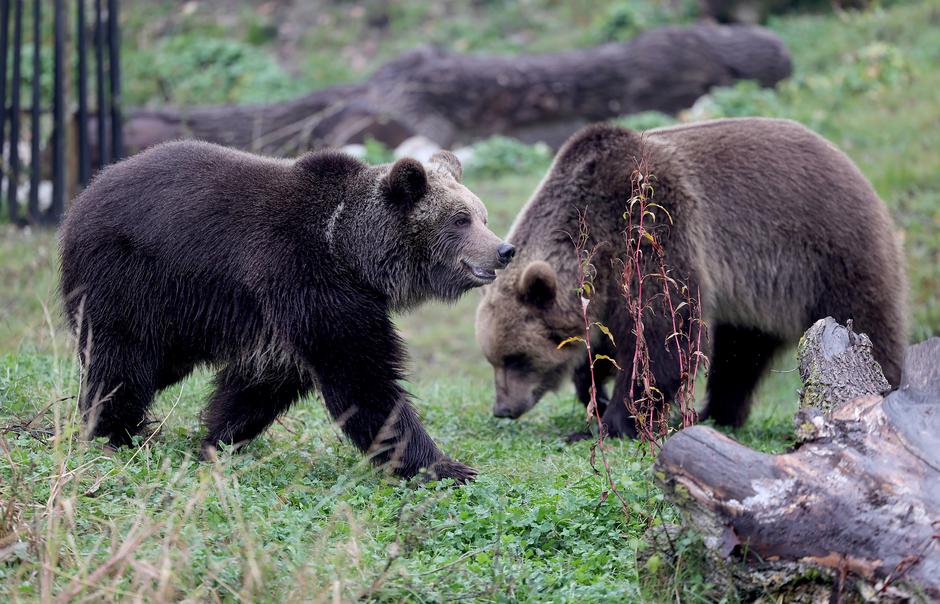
(283, 274)
(772, 224)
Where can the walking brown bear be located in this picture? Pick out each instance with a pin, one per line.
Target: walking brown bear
(774, 226)
(283, 274)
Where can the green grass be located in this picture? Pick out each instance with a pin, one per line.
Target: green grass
(28, 282)
(298, 515)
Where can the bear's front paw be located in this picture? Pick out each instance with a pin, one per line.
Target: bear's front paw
(448, 468)
(209, 452)
(575, 437)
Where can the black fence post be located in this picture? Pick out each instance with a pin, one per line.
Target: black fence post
(4, 43)
(58, 114)
(35, 160)
(103, 157)
(14, 174)
(84, 160)
(114, 61)
(106, 42)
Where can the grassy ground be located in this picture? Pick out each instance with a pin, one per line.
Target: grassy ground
(299, 516)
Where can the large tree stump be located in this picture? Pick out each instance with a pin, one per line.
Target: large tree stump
(454, 99)
(859, 497)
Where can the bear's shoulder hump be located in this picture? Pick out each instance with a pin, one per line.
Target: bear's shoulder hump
(329, 164)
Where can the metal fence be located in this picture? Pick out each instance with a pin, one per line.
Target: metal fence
(65, 139)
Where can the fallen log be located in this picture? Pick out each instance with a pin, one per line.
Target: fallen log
(455, 99)
(858, 498)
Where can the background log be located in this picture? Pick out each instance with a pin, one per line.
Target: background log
(861, 497)
(455, 99)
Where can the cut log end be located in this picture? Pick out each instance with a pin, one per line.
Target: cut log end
(836, 366)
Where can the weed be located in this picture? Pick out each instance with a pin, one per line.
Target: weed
(647, 221)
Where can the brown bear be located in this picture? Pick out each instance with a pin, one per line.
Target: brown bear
(282, 274)
(772, 224)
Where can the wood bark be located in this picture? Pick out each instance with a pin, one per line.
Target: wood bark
(455, 99)
(859, 497)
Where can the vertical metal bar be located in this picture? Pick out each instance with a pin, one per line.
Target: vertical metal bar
(4, 43)
(58, 113)
(84, 161)
(103, 157)
(14, 173)
(35, 160)
(114, 61)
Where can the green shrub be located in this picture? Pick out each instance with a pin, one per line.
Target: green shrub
(190, 69)
(622, 21)
(501, 155)
(870, 70)
(873, 67)
(744, 99)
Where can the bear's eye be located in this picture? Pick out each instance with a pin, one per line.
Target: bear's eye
(462, 221)
(518, 362)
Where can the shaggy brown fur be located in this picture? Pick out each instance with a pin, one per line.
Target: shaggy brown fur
(774, 225)
(281, 273)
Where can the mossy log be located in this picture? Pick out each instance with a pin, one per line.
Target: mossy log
(455, 99)
(859, 496)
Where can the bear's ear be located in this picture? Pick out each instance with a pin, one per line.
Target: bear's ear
(538, 284)
(447, 162)
(406, 182)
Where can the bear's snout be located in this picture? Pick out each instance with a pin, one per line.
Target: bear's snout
(505, 253)
(505, 412)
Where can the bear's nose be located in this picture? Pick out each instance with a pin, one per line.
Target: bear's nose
(504, 412)
(505, 252)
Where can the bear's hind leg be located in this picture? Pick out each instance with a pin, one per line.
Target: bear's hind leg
(617, 420)
(117, 388)
(740, 356)
(245, 404)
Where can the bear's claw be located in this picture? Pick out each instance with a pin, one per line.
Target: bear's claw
(448, 468)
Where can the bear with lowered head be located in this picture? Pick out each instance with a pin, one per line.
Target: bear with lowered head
(281, 274)
(772, 225)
